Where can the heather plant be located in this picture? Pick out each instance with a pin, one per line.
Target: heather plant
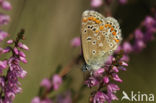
(10, 69)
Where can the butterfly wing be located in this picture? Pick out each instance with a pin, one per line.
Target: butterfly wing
(98, 42)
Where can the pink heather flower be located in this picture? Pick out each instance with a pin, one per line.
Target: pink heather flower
(115, 69)
(138, 34)
(35, 100)
(23, 46)
(56, 81)
(106, 79)
(64, 98)
(122, 68)
(149, 21)
(91, 82)
(6, 5)
(139, 45)
(10, 95)
(149, 35)
(16, 51)
(21, 53)
(10, 41)
(76, 42)
(23, 59)
(3, 64)
(46, 83)
(125, 58)
(116, 77)
(112, 88)
(6, 50)
(99, 72)
(2, 82)
(96, 3)
(47, 100)
(122, 1)
(127, 47)
(4, 19)
(3, 35)
(112, 96)
(124, 63)
(100, 97)
(23, 74)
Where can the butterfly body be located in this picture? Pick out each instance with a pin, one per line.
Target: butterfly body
(100, 37)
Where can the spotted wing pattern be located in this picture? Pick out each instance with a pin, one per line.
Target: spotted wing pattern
(100, 37)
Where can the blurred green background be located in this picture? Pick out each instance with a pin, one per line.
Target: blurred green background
(51, 24)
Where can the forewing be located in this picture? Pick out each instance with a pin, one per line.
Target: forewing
(90, 35)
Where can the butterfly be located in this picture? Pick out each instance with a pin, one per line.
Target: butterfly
(100, 37)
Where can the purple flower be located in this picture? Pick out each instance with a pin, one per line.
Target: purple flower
(124, 63)
(23, 46)
(138, 34)
(106, 79)
(12, 85)
(6, 50)
(4, 19)
(111, 96)
(115, 69)
(23, 74)
(3, 64)
(125, 58)
(56, 81)
(47, 100)
(10, 41)
(35, 100)
(139, 45)
(116, 77)
(99, 72)
(6, 5)
(96, 3)
(46, 83)
(149, 22)
(127, 47)
(100, 97)
(122, 1)
(21, 53)
(91, 82)
(149, 35)
(76, 42)
(16, 51)
(64, 98)
(2, 82)
(112, 88)
(23, 59)
(3, 35)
